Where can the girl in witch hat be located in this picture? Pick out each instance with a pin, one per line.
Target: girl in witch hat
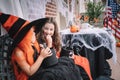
(23, 52)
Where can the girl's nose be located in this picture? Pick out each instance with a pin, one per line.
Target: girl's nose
(48, 32)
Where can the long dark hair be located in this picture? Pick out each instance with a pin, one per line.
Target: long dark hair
(55, 37)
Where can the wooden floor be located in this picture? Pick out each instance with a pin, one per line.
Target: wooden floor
(115, 67)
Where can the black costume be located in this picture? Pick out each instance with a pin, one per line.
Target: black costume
(58, 69)
(65, 69)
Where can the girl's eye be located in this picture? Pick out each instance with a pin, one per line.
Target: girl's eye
(46, 28)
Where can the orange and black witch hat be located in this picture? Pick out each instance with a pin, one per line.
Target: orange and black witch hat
(17, 27)
(12, 23)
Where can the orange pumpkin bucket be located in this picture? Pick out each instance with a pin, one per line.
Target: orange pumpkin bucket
(74, 29)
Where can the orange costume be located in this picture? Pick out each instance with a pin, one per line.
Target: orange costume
(13, 25)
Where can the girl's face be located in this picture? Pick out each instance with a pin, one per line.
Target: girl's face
(48, 29)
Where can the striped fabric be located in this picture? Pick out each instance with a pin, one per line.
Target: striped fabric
(112, 17)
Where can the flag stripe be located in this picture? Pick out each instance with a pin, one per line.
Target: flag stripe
(112, 14)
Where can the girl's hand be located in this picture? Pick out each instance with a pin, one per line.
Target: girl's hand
(45, 52)
(49, 41)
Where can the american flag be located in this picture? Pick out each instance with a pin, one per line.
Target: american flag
(112, 17)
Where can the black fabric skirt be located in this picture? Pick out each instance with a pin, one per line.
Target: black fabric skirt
(65, 69)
